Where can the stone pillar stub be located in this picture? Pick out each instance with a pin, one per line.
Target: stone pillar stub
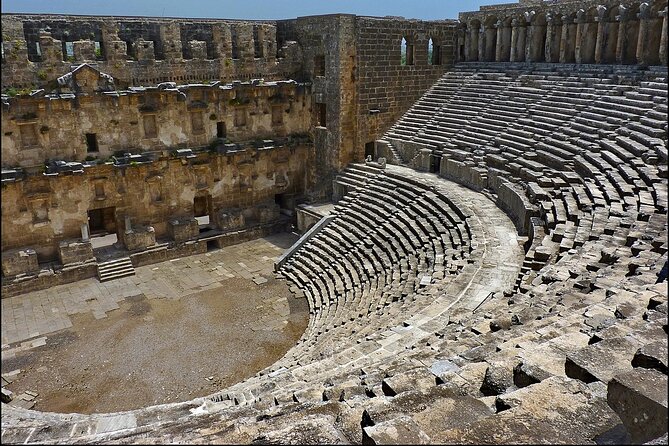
(85, 235)
(663, 38)
(644, 16)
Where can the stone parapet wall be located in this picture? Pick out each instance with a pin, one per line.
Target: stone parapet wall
(49, 278)
(143, 51)
(19, 261)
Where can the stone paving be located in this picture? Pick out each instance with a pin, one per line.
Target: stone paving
(38, 313)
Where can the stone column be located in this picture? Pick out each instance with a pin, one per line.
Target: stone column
(622, 33)
(529, 37)
(580, 32)
(482, 44)
(644, 16)
(85, 234)
(563, 39)
(599, 45)
(663, 38)
(548, 44)
(498, 43)
(473, 47)
(514, 40)
(468, 43)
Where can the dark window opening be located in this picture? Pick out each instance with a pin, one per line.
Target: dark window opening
(320, 115)
(212, 245)
(91, 142)
(369, 149)
(220, 129)
(200, 206)
(235, 46)
(435, 164)
(319, 65)
(130, 49)
(433, 53)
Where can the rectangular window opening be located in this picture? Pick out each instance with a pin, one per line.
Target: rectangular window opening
(28, 135)
(320, 114)
(277, 114)
(197, 124)
(91, 142)
(150, 128)
(240, 117)
(220, 129)
(319, 65)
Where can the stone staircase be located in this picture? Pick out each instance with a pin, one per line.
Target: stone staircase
(115, 269)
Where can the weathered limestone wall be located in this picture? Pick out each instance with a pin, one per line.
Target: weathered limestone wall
(37, 129)
(385, 88)
(328, 51)
(41, 211)
(18, 261)
(143, 51)
(567, 31)
(359, 81)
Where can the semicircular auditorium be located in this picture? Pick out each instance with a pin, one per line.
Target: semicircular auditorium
(481, 206)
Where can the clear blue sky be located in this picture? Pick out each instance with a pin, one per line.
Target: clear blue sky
(249, 9)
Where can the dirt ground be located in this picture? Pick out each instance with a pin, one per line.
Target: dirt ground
(152, 351)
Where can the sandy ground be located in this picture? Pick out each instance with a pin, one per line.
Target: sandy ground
(152, 351)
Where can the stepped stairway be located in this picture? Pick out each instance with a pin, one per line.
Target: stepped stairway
(115, 269)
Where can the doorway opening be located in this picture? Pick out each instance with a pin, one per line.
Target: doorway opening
(201, 207)
(103, 220)
(435, 164)
(220, 129)
(369, 150)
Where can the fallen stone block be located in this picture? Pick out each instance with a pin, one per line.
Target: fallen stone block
(652, 356)
(418, 379)
(556, 410)
(525, 374)
(639, 397)
(601, 361)
(497, 380)
(400, 430)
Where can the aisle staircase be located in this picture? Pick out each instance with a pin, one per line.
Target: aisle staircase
(115, 269)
